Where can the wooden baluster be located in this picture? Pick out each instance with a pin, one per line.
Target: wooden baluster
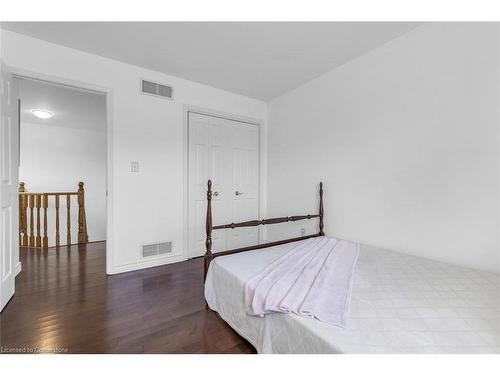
(22, 214)
(25, 221)
(45, 240)
(20, 220)
(68, 220)
(31, 241)
(38, 240)
(82, 221)
(58, 239)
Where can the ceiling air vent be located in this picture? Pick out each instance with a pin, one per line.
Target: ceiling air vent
(156, 249)
(156, 89)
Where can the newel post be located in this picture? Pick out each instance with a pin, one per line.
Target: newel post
(208, 227)
(82, 221)
(321, 210)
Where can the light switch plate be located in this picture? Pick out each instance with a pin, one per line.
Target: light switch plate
(134, 166)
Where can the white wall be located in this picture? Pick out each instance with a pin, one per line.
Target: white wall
(55, 158)
(146, 206)
(405, 139)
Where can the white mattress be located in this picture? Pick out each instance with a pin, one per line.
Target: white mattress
(400, 304)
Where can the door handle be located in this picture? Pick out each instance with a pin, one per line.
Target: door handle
(216, 193)
(237, 193)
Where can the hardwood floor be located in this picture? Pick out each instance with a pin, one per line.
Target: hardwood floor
(64, 302)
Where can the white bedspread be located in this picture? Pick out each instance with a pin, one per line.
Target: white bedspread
(312, 280)
(400, 304)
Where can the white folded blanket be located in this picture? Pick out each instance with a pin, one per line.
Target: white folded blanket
(313, 280)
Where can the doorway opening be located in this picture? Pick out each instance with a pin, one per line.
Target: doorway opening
(56, 140)
(62, 167)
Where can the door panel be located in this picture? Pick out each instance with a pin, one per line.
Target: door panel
(9, 176)
(232, 149)
(219, 164)
(7, 243)
(245, 204)
(198, 176)
(219, 237)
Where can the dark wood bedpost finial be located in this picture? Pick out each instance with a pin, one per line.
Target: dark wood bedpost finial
(321, 210)
(208, 242)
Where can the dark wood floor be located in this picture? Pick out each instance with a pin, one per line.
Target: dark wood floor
(64, 302)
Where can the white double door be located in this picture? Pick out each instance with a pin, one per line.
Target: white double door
(227, 152)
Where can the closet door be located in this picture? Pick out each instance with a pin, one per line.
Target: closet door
(218, 172)
(208, 159)
(198, 164)
(225, 151)
(244, 186)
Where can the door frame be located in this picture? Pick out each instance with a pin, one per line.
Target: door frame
(108, 94)
(262, 183)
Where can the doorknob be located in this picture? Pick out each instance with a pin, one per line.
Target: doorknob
(216, 193)
(237, 193)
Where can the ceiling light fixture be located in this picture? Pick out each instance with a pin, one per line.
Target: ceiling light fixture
(40, 113)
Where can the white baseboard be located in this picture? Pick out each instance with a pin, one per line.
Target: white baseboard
(17, 269)
(146, 264)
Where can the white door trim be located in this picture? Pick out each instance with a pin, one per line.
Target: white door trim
(228, 116)
(108, 92)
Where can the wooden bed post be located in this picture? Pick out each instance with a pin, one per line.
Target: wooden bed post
(208, 242)
(321, 210)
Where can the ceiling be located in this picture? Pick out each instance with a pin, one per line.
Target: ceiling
(258, 59)
(72, 108)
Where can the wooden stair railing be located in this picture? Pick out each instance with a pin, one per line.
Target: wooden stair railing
(30, 205)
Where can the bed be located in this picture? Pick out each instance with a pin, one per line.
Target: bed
(400, 303)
